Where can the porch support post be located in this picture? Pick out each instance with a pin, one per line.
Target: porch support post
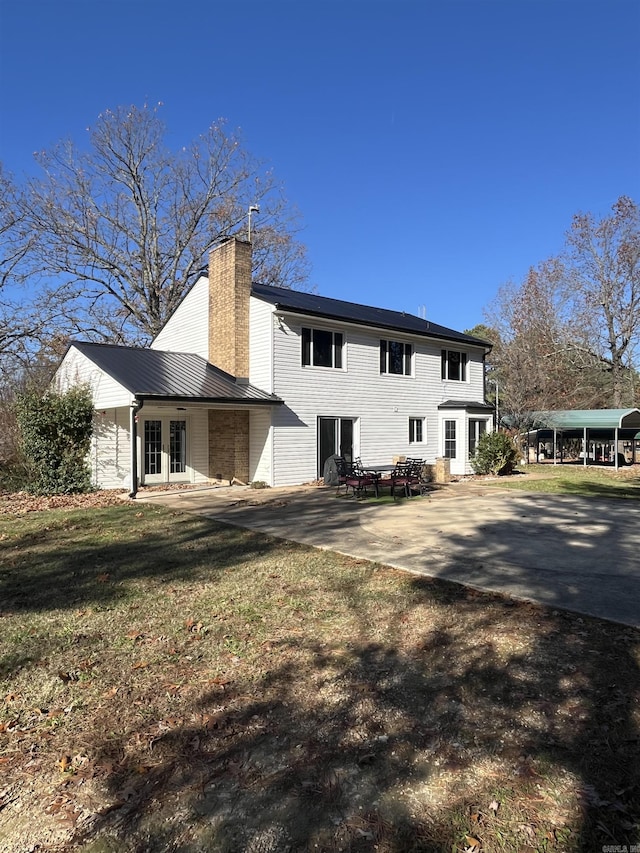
(585, 448)
(615, 446)
(133, 435)
(555, 438)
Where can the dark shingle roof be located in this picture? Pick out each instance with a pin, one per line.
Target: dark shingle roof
(465, 404)
(365, 315)
(178, 376)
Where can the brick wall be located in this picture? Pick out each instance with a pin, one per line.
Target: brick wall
(229, 445)
(229, 294)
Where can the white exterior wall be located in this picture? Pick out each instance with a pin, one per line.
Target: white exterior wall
(198, 442)
(187, 330)
(381, 404)
(261, 446)
(76, 369)
(261, 344)
(110, 453)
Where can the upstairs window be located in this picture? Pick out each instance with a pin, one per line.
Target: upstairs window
(321, 348)
(454, 365)
(395, 357)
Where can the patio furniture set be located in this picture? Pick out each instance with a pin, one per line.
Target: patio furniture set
(404, 478)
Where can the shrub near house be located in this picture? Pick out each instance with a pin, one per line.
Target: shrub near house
(55, 437)
(495, 454)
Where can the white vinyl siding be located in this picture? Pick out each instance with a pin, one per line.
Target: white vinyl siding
(110, 454)
(261, 320)
(198, 442)
(187, 330)
(260, 445)
(77, 369)
(381, 405)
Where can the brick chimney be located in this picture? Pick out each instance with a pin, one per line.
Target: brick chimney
(229, 293)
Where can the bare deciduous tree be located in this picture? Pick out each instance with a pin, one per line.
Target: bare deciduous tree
(565, 336)
(128, 224)
(603, 285)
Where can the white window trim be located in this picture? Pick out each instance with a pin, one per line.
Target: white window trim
(423, 422)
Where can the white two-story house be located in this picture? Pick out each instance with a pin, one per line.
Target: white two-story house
(253, 383)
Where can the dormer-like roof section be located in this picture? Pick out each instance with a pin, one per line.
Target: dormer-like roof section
(312, 305)
(171, 376)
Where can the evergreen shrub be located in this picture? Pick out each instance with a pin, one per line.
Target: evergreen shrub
(495, 454)
(55, 438)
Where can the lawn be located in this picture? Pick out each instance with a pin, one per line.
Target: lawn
(174, 684)
(590, 481)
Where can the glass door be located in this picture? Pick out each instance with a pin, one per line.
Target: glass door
(335, 436)
(165, 450)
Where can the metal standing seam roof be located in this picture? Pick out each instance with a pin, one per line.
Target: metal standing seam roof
(148, 373)
(311, 304)
(587, 419)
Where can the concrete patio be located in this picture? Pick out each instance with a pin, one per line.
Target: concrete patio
(563, 551)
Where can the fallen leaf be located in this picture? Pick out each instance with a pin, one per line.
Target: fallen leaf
(109, 694)
(494, 805)
(141, 664)
(134, 635)
(64, 763)
(472, 842)
(66, 677)
(103, 578)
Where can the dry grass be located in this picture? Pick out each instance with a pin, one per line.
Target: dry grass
(592, 481)
(174, 684)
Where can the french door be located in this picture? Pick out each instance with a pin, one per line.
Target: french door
(164, 450)
(335, 436)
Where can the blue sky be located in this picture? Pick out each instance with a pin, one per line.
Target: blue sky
(435, 149)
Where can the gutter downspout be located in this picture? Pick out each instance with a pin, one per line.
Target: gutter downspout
(133, 432)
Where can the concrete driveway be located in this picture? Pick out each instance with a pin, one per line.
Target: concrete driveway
(567, 552)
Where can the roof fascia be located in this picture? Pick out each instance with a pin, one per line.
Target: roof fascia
(206, 401)
(299, 312)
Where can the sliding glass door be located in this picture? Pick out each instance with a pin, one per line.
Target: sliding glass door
(335, 436)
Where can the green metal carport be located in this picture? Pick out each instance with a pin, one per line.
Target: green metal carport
(608, 426)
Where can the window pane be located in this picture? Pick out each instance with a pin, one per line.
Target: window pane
(450, 439)
(337, 350)
(383, 356)
(396, 357)
(177, 447)
(306, 346)
(407, 359)
(415, 430)
(454, 366)
(322, 348)
(152, 447)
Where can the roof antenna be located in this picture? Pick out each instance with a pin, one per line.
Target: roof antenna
(254, 208)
